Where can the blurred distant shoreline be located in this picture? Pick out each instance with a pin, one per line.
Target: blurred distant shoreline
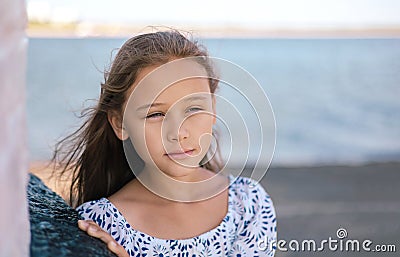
(83, 30)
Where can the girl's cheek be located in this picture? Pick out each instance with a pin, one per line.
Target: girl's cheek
(202, 118)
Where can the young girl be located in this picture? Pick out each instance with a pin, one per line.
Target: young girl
(166, 195)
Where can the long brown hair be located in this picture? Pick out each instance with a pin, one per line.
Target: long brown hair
(93, 156)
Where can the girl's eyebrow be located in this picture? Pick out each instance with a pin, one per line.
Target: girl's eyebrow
(195, 97)
(192, 98)
(148, 105)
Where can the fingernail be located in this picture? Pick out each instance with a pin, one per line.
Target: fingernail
(83, 223)
(113, 244)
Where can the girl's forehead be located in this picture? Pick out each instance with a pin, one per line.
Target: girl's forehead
(176, 79)
(184, 89)
(170, 72)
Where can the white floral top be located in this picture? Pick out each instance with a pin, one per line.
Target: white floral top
(248, 229)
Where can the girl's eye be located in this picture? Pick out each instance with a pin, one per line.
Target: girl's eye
(194, 109)
(154, 115)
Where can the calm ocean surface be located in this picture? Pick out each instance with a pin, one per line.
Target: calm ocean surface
(335, 101)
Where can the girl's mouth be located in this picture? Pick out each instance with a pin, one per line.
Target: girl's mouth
(180, 155)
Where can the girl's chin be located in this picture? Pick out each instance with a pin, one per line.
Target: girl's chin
(180, 171)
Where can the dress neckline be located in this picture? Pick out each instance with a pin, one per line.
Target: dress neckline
(203, 235)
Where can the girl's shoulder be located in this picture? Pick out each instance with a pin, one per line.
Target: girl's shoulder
(247, 187)
(101, 204)
(108, 217)
(101, 211)
(248, 198)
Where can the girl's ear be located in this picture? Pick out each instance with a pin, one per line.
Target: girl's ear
(214, 103)
(117, 126)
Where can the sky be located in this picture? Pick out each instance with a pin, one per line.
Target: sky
(249, 13)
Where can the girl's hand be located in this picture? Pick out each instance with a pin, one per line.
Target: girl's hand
(94, 230)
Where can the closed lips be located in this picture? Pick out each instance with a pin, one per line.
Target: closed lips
(180, 152)
(180, 155)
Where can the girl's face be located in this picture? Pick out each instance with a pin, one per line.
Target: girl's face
(170, 126)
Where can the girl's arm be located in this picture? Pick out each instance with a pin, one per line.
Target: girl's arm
(94, 230)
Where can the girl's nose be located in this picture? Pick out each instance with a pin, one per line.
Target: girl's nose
(181, 135)
(176, 130)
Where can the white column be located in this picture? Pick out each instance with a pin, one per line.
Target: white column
(14, 222)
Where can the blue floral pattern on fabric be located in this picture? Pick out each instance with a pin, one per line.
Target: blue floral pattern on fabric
(250, 220)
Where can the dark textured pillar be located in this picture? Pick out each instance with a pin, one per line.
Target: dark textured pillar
(54, 229)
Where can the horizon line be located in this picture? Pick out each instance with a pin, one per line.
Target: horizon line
(112, 31)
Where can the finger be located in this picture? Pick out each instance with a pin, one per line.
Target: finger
(117, 249)
(83, 224)
(97, 232)
(94, 230)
